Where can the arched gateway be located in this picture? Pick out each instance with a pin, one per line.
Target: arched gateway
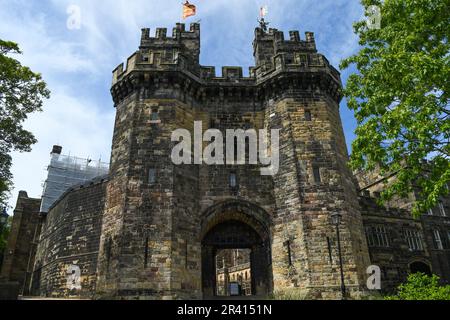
(155, 243)
(237, 225)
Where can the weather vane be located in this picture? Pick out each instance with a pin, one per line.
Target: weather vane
(262, 22)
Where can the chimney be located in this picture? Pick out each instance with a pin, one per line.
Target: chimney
(56, 149)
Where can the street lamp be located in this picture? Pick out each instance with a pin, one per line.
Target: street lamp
(336, 219)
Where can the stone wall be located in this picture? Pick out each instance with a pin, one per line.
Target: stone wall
(151, 231)
(435, 220)
(69, 241)
(21, 247)
(393, 257)
(440, 256)
(151, 243)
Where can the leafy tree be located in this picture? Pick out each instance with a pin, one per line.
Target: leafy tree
(21, 93)
(400, 97)
(420, 286)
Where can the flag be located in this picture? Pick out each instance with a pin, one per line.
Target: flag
(263, 11)
(188, 10)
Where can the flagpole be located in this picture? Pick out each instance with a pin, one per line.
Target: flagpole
(182, 11)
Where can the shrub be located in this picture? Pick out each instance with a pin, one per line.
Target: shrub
(420, 286)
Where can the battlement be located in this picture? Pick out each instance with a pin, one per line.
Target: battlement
(229, 73)
(274, 55)
(179, 32)
(278, 36)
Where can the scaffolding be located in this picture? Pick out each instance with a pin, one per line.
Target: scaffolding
(66, 171)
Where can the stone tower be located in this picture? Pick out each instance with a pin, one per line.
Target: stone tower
(163, 223)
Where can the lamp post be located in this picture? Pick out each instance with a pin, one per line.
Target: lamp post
(336, 218)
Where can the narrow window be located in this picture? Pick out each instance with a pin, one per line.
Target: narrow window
(146, 252)
(442, 209)
(308, 115)
(186, 252)
(430, 212)
(287, 244)
(316, 172)
(154, 115)
(437, 240)
(370, 236)
(108, 250)
(233, 180)
(151, 176)
(247, 149)
(303, 59)
(329, 250)
(414, 240)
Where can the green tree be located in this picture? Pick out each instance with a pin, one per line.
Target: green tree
(419, 286)
(400, 96)
(21, 93)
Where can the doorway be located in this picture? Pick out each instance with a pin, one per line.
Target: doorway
(235, 261)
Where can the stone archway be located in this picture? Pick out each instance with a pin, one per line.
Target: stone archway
(419, 266)
(237, 225)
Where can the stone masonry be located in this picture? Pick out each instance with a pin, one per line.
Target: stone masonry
(151, 243)
(151, 229)
(22, 242)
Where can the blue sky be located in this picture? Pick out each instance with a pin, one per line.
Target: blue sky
(77, 64)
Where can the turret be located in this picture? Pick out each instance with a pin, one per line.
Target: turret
(181, 42)
(272, 51)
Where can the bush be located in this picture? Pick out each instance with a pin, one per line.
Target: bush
(420, 286)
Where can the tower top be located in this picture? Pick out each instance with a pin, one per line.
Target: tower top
(179, 54)
(179, 33)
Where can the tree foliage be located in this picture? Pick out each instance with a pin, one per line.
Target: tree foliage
(21, 93)
(400, 96)
(420, 286)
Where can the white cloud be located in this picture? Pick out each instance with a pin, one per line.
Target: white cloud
(81, 128)
(77, 64)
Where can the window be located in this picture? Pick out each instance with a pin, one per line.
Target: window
(151, 176)
(437, 240)
(308, 115)
(108, 250)
(154, 117)
(316, 173)
(430, 212)
(442, 209)
(377, 236)
(414, 240)
(303, 60)
(146, 252)
(233, 180)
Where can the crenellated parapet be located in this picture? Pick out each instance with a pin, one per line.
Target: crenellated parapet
(174, 61)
